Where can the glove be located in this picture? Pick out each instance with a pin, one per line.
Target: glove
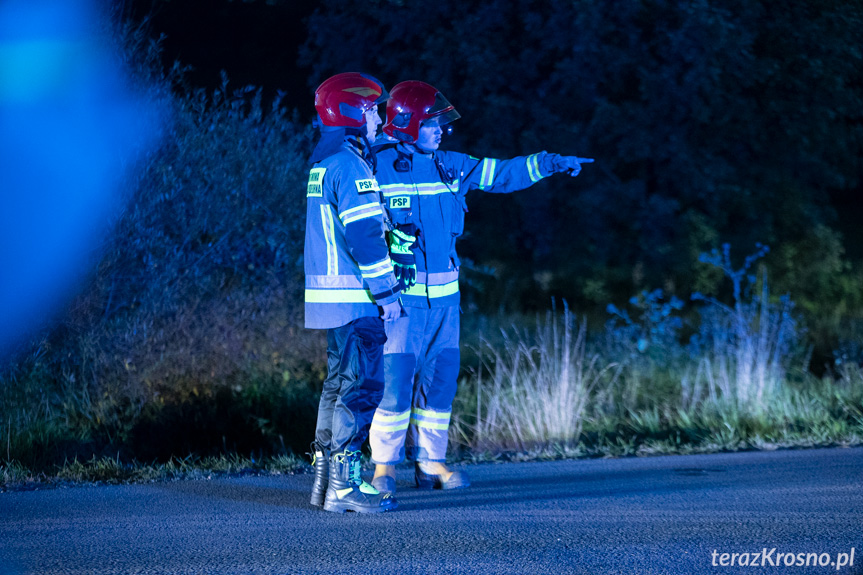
(568, 164)
(404, 261)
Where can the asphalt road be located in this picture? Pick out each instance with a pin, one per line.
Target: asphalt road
(623, 516)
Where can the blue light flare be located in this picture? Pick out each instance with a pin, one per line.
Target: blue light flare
(69, 127)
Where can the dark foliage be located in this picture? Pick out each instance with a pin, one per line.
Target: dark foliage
(710, 122)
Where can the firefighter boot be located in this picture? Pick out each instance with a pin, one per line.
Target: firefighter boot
(348, 492)
(434, 475)
(321, 463)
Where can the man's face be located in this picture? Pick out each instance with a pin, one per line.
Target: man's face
(429, 138)
(373, 120)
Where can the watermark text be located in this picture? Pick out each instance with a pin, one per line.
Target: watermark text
(774, 558)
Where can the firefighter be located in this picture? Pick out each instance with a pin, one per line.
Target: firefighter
(350, 287)
(423, 191)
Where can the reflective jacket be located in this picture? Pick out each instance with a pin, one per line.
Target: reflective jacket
(347, 265)
(428, 190)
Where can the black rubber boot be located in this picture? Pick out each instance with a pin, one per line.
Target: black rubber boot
(321, 463)
(347, 491)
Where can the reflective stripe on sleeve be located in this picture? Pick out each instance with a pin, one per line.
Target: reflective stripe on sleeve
(533, 168)
(378, 269)
(487, 177)
(360, 212)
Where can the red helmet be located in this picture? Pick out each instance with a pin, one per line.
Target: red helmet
(413, 104)
(341, 101)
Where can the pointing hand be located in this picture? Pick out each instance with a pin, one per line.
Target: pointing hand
(569, 164)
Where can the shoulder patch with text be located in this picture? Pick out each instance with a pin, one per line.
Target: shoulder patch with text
(400, 202)
(365, 186)
(315, 188)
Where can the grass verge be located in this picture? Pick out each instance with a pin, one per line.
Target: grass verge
(107, 470)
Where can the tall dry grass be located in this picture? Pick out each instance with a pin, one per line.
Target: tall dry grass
(534, 389)
(638, 387)
(745, 349)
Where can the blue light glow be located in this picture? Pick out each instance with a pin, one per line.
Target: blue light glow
(68, 126)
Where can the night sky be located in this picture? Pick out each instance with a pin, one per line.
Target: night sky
(255, 43)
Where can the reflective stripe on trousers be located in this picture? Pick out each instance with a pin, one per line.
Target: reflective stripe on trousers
(354, 384)
(421, 363)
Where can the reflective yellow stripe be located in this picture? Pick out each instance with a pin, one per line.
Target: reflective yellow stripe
(378, 269)
(437, 414)
(421, 290)
(360, 208)
(379, 273)
(487, 178)
(398, 190)
(338, 296)
(427, 425)
(419, 189)
(444, 290)
(358, 217)
(330, 239)
(431, 419)
(396, 417)
(378, 263)
(361, 213)
(533, 168)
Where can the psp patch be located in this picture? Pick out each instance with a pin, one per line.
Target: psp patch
(366, 186)
(400, 202)
(315, 188)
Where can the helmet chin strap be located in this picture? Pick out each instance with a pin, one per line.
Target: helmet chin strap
(365, 146)
(370, 155)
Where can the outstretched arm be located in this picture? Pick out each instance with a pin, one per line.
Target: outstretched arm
(505, 176)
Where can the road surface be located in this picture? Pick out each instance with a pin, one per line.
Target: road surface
(658, 515)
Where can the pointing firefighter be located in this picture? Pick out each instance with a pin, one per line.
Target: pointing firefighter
(423, 191)
(350, 287)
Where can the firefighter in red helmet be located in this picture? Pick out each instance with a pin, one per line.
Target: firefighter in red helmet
(350, 287)
(424, 191)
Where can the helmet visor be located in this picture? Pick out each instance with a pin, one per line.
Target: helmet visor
(441, 112)
(383, 97)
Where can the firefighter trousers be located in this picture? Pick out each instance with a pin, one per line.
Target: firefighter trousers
(421, 364)
(354, 384)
